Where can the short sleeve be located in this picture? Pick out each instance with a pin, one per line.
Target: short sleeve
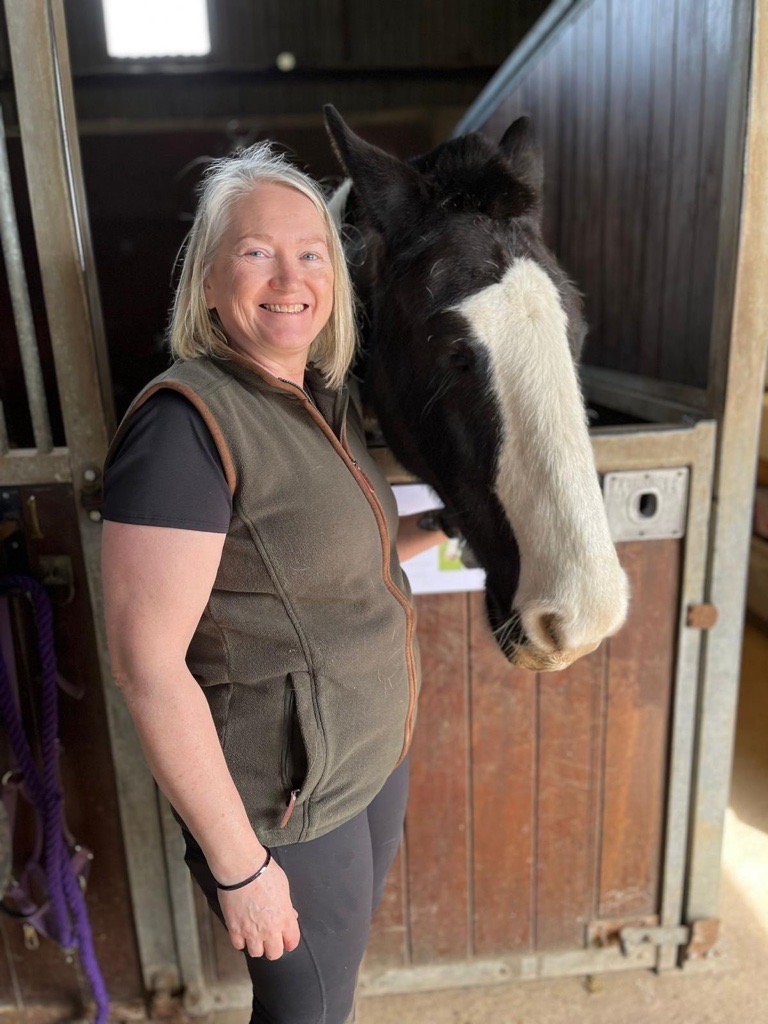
(167, 470)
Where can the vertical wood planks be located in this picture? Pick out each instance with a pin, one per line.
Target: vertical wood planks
(689, 68)
(640, 679)
(629, 99)
(614, 255)
(719, 14)
(663, 21)
(590, 110)
(388, 945)
(569, 727)
(503, 707)
(436, 827)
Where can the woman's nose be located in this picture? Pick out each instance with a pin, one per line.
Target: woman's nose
(285, 275)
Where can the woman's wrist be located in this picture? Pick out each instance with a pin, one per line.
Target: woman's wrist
(231, 886)
(232, 865)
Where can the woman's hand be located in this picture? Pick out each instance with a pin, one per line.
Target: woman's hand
(260, 916)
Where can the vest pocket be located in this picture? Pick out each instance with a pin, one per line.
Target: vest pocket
(294, 756)
(303, 748)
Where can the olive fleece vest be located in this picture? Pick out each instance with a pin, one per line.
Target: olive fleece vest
(306, 649)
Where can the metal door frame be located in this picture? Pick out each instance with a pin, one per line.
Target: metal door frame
(48, 127)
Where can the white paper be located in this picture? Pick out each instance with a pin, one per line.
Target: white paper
(434, 571)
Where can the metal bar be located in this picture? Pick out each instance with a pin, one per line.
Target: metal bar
(42, 79)
(465, 974)
(22, 309)
(643, 396)
(25, 467)
(71, 150)
(192, 975)
(683, 721)
(732, 507)
(518, 62)
(730, 204)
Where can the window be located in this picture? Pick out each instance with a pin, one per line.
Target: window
(156, 28)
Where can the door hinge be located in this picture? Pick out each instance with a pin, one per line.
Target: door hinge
(632, 938)
(632, 933)
(702, 616)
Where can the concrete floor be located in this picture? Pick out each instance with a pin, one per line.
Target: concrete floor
(731, 988)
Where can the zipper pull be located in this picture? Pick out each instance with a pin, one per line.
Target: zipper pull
(289, 809)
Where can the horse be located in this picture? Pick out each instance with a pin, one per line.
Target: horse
(471, 334)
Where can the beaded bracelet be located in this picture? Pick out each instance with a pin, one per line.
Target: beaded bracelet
(247, 881)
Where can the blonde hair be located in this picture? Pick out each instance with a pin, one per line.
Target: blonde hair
(193, 331)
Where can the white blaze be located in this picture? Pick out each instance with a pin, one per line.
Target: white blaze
(572, 590)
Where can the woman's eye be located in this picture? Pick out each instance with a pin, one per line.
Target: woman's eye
(311, 256)
(257, 252)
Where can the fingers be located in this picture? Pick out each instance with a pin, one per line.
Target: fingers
(291, 938)
(274, 950)
(271, 948)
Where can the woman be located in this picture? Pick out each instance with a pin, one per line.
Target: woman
(260, 627)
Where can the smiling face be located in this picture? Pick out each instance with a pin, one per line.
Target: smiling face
(271, 281)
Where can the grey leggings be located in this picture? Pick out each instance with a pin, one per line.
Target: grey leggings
(336, 883)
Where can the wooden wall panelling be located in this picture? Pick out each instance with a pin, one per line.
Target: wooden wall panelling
(503, 715)
(549, 119)
(678, 362)
(719, 14)
(388, 945)
(591, 92)
(568, 131)
(636, 116)
(615, 242)
(663, 18)
(568, 796)
(640, 679)
(438, 809)
(513, 106)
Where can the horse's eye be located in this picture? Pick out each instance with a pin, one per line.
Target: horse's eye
(461, 357)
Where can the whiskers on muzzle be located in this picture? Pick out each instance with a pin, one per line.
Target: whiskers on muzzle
(509, 634)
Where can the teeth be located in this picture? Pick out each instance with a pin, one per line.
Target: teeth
(296, 308)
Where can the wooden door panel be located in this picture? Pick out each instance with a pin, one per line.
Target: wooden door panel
(503, 710)
(640, 675)
(570, 731)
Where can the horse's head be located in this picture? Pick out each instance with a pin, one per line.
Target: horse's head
(471, 342)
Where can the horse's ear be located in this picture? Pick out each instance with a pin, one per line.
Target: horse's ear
(521, 148)
(388, 188)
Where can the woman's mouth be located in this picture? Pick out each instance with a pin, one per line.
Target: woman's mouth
(296, 307)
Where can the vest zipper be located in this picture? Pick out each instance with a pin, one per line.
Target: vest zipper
(342, 448)
(289, 809)
(395, 590)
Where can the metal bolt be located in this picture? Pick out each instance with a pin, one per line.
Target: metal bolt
(6, 495)
(89, 475)
(94, 515)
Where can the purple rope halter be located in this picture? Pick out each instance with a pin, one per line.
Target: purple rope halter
(64, 890)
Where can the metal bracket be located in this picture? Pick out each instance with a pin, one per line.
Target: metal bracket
(632, 938)
(646, 504)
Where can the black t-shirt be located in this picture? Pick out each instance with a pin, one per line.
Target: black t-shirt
(167, 470)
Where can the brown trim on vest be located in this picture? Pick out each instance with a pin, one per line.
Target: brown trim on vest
(366, 487)
(210, 422)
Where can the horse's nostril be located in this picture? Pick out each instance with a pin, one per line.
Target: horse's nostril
(549, 626)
